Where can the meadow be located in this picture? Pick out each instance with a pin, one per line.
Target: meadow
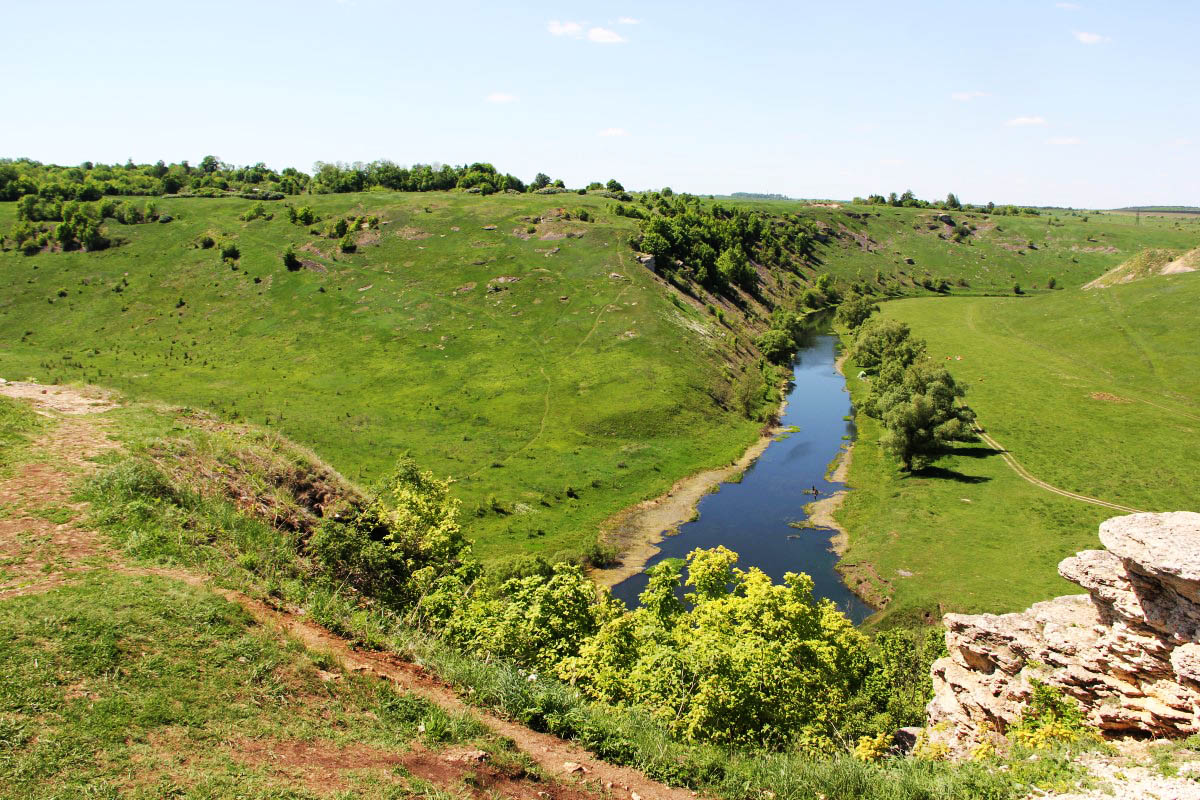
(502, 341)
(547, 373)
(1096, 392)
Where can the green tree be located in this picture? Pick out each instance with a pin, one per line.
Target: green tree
(614, 185)
(855, 310)
(880, 342)
(736, 269)
(749, 663)
(919, 410)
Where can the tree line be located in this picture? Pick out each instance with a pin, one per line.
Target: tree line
(909, 200)
(917, 402)
(212, 177)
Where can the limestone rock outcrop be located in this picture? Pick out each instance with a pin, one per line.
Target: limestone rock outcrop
(1128, 650)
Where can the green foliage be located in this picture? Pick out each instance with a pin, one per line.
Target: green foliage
(534, 621)
(918, 407)
(347, 244)
(855, 310)
(291, 260)
(1050, 719)
(400, 543)
(230, 252)
(735, 269)
(256, 211)
(882, 342)
(304, 215)
(748, 662)
(23, 177)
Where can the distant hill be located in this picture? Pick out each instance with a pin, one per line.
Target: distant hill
(1162, 209)
(759, 196)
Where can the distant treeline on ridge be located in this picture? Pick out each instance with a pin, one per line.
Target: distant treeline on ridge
(213, 178)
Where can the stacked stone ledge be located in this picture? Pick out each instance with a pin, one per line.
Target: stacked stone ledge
(1128, 650)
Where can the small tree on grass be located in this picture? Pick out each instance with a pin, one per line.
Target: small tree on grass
(918, 406)
(230, 252)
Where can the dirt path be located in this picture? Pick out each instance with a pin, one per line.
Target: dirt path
(1025, 474)
(39, 554)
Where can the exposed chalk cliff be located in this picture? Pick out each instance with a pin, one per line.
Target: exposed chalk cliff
(1128, 650)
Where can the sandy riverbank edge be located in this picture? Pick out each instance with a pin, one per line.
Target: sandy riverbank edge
(637, 530)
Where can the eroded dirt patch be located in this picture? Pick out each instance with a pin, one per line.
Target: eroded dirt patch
(1109, 398)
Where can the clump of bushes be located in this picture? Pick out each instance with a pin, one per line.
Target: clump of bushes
(304, 215)
(256, 211)
(230, 252)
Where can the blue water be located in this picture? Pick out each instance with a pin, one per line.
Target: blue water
(751, 517)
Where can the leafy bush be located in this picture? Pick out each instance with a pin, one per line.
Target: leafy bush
(1051, 719)
(401, 542)
(230, 252)
(750, 662)
(256, 211)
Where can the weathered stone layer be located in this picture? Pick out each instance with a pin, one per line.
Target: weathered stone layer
(1128, 650)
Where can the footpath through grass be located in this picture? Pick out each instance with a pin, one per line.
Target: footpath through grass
(1096, 392)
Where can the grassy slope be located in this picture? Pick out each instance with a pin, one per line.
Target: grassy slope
(516, 394)
(991, 260)
(1042, 373)
(144, 688)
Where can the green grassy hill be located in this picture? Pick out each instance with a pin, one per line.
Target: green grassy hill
(873, 243)
(500, 340)
(547, 371)
(1096, 392)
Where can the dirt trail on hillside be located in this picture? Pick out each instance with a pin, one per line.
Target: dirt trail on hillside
(1027, 476)
(37, 555)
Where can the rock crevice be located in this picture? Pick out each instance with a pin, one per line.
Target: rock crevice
(1128, 650)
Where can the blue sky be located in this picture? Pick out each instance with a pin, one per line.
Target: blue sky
(1057, 103)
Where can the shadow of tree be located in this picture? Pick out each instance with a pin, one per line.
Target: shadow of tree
(948, 474)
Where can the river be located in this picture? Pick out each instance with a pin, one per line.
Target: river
(751, 517)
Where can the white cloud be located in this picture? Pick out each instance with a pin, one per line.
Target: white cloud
(964, 97)
(604, 36)
(1091, 38)
(1068, 6)
(613, 132)
(501, 97)
(628, 21)
(1064, 141)
(1022, 122)
(1181, 142)
(893, 162)
(564, 28)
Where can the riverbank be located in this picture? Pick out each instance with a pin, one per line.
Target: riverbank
(636, 531)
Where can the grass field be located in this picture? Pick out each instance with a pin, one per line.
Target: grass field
(998, 254)
(141, 687)
(553, 401)
(1096, 392)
